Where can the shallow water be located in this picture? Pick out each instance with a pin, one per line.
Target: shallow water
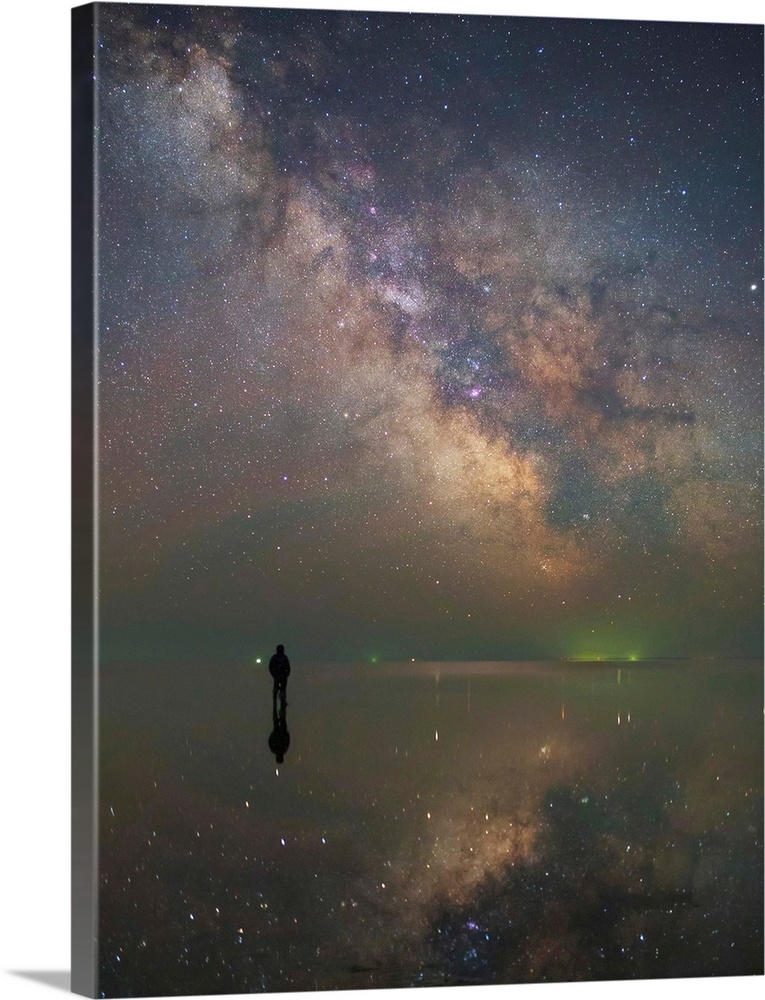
(430, 824)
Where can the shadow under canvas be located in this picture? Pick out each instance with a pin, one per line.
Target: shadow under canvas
(57, 979)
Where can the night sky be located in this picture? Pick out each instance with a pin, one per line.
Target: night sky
(428, 336)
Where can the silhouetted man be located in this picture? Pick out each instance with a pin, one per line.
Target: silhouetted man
(279, 668)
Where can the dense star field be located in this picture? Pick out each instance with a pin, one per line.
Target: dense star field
(428, 336)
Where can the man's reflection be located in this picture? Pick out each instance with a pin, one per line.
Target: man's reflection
(279, 740)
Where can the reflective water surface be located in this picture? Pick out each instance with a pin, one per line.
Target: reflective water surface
(429, 824)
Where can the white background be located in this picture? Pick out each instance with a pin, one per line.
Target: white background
(34, 459)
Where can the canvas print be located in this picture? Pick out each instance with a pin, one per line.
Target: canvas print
(418, 500)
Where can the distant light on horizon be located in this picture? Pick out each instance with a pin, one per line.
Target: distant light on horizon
(603, 658)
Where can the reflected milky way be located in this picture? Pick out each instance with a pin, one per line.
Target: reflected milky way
(464, 823)
(429, 336)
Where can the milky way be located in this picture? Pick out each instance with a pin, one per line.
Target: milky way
(429, 336)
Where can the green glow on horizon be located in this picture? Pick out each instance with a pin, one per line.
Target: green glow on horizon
(604, 658)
